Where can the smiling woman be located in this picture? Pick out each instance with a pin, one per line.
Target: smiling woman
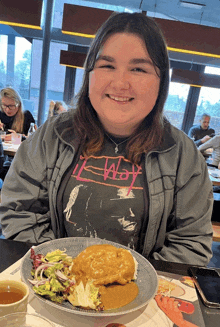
(124, 84)
(114, 168)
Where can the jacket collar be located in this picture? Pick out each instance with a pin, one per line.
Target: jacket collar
(64, 128)
(65, 131)
(168, 139)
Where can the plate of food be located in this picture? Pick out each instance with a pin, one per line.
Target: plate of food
(89, 276)
(215, 174)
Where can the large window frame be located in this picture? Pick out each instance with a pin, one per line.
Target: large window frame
(81, 44)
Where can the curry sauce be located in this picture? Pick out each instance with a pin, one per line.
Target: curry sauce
(116, 296)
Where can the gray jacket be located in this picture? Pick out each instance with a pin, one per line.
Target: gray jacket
(215, 144)
(180, 193)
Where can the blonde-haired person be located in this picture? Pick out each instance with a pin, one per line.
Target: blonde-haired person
(12, 114)
(56, 108)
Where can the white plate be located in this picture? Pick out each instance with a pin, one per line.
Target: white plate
(23, 319)
(147, 279)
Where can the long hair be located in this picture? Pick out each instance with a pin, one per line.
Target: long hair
(57, 106)
(18, 122)
(149, 134)
(54, 108)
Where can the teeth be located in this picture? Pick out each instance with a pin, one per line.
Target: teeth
(122, 99)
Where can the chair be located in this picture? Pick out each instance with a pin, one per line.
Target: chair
(216, 207)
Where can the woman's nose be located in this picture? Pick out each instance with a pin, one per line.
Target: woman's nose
(121, 80)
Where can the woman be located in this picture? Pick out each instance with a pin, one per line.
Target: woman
(12, 114)
(12, 118)
(215, 144)
(114, 168)
(57, 108)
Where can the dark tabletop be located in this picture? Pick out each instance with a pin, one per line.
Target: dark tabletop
(11, 251)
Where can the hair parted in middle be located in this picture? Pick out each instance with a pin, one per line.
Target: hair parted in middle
(18, 122)
(149, 134)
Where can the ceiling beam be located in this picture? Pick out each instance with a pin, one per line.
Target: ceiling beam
(26, 13)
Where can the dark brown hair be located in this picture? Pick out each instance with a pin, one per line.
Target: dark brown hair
(149, 134)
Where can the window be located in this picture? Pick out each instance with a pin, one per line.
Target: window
(22, 69)
(176, 103)
(56, 75)
(212, 70)
(3, 59)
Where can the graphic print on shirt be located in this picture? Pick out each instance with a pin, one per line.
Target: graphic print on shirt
(104, 198)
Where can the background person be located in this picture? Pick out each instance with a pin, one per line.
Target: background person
(202, 133)
(57, 108)
(12, 117)
(12, 114)
(114, 167)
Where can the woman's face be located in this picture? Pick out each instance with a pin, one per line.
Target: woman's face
(123, 86)
(62, 109)
(9, 106)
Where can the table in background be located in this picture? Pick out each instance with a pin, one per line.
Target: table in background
(215, 181)
(10, 149)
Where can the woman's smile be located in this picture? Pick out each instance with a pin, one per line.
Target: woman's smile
(121, 99)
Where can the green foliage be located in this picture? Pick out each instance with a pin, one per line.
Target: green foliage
(206, 106)
(175, 103)
(2, 74)
(22, 74)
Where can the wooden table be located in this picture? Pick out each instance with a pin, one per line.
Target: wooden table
(11, 251)
(10, 149)
(215, 180)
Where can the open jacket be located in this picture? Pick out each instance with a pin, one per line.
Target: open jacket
(180, 193)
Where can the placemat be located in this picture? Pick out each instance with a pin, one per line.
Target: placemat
(173, 286)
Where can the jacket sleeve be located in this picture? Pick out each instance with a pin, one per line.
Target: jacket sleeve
(185, 232)
(209, 144)
(24, 211)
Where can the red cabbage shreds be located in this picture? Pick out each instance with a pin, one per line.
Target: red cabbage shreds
(37, 259)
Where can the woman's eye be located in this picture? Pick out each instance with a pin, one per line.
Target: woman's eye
(107, 66)
(138, 69)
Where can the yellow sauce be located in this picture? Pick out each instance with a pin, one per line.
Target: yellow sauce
(104, 264)
(116, 296)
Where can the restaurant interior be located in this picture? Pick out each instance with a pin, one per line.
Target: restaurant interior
(44, 44)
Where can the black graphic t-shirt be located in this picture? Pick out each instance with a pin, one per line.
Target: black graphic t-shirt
(104, 198)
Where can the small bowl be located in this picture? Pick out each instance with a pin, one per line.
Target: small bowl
(23, 319)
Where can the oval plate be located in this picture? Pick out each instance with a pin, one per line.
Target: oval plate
(147, 279)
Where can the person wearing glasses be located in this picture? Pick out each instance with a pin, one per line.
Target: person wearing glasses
(12, 114)
(13, 117)
(114, 168)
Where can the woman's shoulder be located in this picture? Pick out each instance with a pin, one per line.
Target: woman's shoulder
(60, 124)
(177, 134)
(181, 141)
(28, 113)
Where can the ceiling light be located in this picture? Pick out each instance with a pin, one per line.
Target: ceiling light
(192, 5)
